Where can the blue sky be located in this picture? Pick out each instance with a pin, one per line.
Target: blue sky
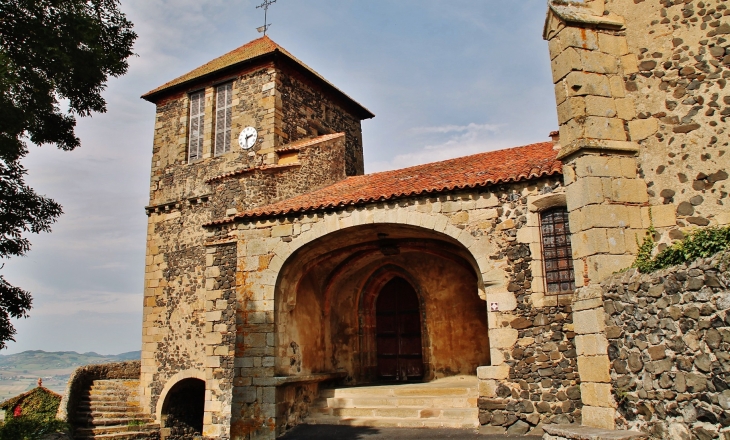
(444, 79)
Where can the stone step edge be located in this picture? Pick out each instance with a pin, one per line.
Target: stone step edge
(406, 422)
(578, 432)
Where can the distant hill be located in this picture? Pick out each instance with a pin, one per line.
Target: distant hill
(39, 360)
(20, 372)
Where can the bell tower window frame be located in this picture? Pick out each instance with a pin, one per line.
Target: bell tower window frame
(196, 131)
(223, 117)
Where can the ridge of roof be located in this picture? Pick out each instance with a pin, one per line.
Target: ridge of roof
(247, 53)
(478, 170)
(13, 401)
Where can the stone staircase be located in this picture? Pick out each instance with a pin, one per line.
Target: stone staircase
(444, 403)
(111, 410)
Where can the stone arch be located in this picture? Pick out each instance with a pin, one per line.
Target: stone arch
(182, 375)
(304, 329)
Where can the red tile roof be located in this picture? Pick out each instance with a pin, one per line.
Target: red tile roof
(248, 52)
(510, 165)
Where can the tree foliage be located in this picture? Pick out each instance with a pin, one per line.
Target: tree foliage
(55, 59)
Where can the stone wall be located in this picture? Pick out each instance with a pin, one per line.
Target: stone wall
(189, 327)
(307, 112)
(532, 376)
(668, 337)
(675, 76)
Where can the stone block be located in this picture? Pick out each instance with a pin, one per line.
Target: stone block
(597, 394)
(571, 131)
(613, 44)
(629, 64)
(488, 388)
(499, 372)
(528, 235)
(573, 36)
(629, 191)
(591, 345)
(597, 166)
(598, 417)
(625, 109)
(594, 369)
(597, 127)
(281, 231)
(571, 108)
(585, 191)
(616, 240)
(601, 267)
(589, 242)
(598, 62)
(561, 94)
(502, 337)
(567, 61)
(640, 129)
(662, 216)
(506, 302)
(618, 89)
(583, 84)
(589, 321)
(600, 106)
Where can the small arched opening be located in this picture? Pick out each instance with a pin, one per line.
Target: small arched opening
(183, 410)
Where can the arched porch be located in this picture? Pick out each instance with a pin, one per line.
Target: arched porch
(326, 295)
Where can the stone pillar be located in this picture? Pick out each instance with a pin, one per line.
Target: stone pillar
(589, 321)
(254, 393)
(606, 198)
(220, 333)
(604, 194)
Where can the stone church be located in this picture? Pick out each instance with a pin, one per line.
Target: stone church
(281, 280)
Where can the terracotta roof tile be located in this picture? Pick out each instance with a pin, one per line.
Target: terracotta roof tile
(510, 165)
(248, 52)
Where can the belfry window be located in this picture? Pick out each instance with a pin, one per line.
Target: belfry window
(223, 111)
(556, 251)
(197, 116)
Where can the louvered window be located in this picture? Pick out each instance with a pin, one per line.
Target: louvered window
(556, 252)
(223, 118)
(197, 116)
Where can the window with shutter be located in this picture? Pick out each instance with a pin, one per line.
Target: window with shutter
(556, 251)
(197, 115)
(223, 112)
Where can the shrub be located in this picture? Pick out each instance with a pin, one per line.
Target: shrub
(700, 243)
(30, 428)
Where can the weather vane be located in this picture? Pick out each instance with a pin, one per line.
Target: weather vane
(265, 5)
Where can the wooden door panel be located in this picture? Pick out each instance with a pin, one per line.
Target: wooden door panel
(398, 332)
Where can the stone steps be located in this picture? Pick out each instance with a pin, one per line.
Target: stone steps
(446, 403)
(111, 410)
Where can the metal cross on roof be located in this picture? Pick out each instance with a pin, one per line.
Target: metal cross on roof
(265, 5)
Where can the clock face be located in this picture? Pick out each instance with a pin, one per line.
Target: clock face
(247, 138)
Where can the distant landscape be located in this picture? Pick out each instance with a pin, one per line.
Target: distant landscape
(20, 372)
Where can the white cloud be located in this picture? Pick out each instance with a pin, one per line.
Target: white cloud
(451, 141)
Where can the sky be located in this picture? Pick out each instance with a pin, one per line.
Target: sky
(445, 78)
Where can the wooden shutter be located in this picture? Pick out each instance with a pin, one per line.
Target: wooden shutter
(197, 116)
(223, 113)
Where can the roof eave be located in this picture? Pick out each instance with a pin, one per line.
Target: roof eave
(155, 95)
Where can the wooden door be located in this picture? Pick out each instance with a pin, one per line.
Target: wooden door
(398, 332)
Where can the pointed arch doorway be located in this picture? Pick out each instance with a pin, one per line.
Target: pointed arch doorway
(398, 333)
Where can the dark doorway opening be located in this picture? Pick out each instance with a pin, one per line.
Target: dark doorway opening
(183, 410)
(398, 333)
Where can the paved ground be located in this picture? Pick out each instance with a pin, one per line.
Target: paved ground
(330, 432)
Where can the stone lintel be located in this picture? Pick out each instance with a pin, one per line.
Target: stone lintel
(600, 146)
(586, 433)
